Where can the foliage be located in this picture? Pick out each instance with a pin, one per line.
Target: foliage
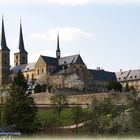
(49, 88)
(132, 89)
(127, 88)
(116, 86)
(40, 88)
(43, 88)
(102, 115)
(20, 109)
(37, 88)
(120, 126)
(59, 102)
(134, 104)
(77, 116)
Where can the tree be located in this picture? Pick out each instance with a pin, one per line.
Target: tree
(20, 109)
(77, 115)
(43, 88)
(121, 125)
(127, 88)
(102, 115)
(134, 104)
(37, 88)
(116, 86)
(59, 102)
(52, 124)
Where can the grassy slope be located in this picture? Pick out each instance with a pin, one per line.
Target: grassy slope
(45, 114)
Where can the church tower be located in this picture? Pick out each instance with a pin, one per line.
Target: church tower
(4, 58)
(58, 48)
(21, 57)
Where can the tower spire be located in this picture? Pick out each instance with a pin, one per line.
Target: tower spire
(3, 38)
(58, 47)
(21, 57)
(21, 42)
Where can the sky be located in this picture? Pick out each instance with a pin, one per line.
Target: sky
(106, 33)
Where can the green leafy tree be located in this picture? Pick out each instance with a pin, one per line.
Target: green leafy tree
(127, 88)
(113, 85)
(134, 105)
(102, 115)
(37, 88)
(20, 108)
(43, 88)
(77, 116)
(132, 89)
(59, 102)
(120, 126)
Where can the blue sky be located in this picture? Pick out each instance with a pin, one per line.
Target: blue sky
(106, 33)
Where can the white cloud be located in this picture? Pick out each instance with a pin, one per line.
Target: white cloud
(66, 34)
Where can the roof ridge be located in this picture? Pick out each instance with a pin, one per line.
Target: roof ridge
(47, 56)
(70, 55)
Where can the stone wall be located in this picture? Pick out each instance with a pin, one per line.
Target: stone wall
(83, 99)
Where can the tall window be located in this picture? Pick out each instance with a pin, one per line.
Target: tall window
(16, 56)
(37, 71)
(42, 70)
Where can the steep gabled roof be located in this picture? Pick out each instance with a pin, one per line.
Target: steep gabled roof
(3, 38)
(72, 59)
(50, 60)
(102, 75)
(22, 68)
(128, 75)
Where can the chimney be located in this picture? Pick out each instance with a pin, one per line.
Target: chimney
(98, 68)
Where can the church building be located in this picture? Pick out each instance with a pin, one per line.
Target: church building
(59, 72)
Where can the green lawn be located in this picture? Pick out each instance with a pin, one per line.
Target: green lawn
(46, 114)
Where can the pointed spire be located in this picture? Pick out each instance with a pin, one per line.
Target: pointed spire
(58, 47)
(3, 39)
(21, 48)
